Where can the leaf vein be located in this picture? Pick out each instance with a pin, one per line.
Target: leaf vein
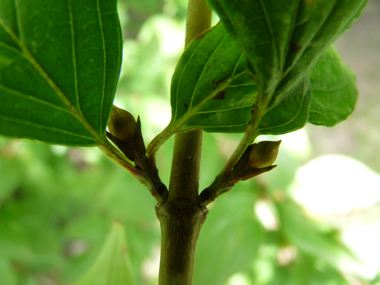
(43, 127)
(270, 32)
(203, 70)
(73, 50)
(182, 72)
(222, 110)
(31, 98)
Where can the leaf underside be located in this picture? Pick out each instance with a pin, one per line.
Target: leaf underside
(210, 86)
(284, 39)
(59, 65)
(290, 115)
(221, 101)
(334, 92)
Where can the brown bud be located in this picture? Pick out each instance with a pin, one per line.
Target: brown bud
(121, 124)
(263, 154)
(138, 141)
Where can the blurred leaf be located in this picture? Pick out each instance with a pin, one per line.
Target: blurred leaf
(8, 275)
(309, 237)
(134, 205)
(306, 269)
(334, 92)
(211, 158)
(59, 65)
(13, 240)
(229, 239)
(112, 265)
(284, 39)
(310, 273)
(11, 173)
(210, 85)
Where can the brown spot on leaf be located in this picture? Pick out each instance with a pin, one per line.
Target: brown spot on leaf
(186, 107)
(216, 83)
(295, 47)
(221, 95)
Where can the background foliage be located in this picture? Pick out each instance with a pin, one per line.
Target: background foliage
(57, 204)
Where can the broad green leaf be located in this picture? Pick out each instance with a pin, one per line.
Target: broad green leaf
(59, 65)
(210, 86)
(284, 39)
(112, 266)
(334, 92)
(290, 114)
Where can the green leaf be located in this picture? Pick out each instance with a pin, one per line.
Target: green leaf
(59, 65)
(210, 86)
(290, 115)
(284, 39)
(112, 265)
(334, 92)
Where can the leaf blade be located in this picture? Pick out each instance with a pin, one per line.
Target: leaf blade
(334, 92)
(283, 40)
(211, 78)
(61, 57)
(290, 115)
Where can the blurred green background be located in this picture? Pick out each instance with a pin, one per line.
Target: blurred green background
(315, 219)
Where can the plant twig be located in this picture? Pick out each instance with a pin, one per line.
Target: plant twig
(220, 185)
(149, 178)
(180, 216)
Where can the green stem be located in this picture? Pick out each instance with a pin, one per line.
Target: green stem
(149, 177)
(180, 216)
(115, 155)
(219, 185)
(180, 227)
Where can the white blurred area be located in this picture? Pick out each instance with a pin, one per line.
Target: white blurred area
(336, 184)
(343, 191)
